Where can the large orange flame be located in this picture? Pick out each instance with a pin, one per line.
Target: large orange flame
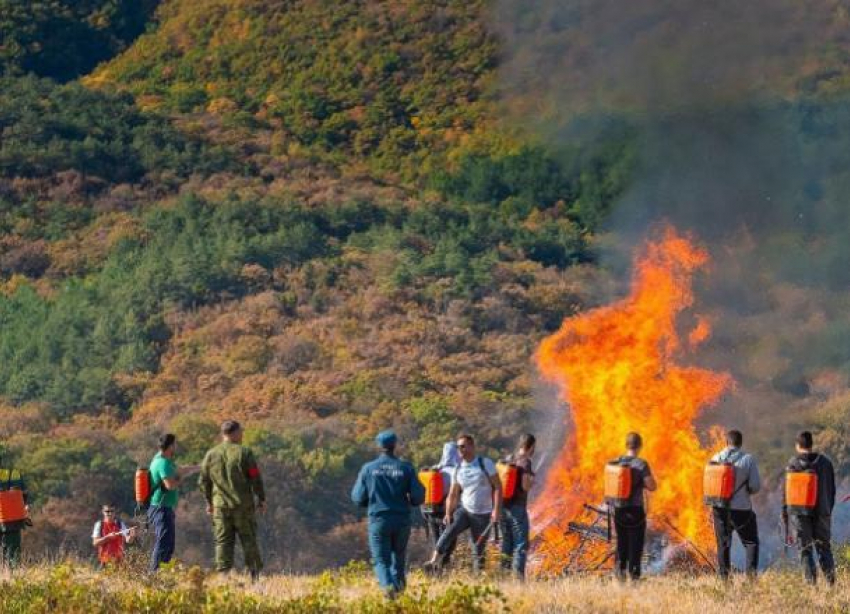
(615, 369)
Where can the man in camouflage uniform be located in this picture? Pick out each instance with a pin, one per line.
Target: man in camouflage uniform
(230, 479)
(10, 533)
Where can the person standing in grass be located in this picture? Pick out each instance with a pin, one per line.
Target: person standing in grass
(231, 483)
(109, 536)
(10, 532)
(389, 488)
(739, 517)
(630, 519)
(813, 527)
(515, 524)
(165, 482)
(435, 518)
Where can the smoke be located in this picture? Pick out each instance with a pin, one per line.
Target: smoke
(651, 56)
(742, 134)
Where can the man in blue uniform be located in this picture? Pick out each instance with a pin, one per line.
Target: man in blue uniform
(389, 488)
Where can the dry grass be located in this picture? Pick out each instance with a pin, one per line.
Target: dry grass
(353, 590)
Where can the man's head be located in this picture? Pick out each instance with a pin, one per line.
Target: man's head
(805, 442)
(466, 447)
(231, 431)
(387, 441)
(168, 444)
(108, 512)
(527, 443)
(734, 438)
(634, 442)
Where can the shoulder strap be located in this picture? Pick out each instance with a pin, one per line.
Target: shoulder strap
(484, 471)
(735, 492)
(158, 485)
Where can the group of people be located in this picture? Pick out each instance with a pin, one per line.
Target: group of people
(390, 488)
(811, 528)
(230, 482)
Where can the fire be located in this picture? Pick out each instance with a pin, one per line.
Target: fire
(616, 370)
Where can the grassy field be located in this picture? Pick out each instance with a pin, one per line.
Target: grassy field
(74, 588)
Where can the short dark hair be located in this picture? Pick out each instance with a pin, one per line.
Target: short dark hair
(166, 441)
(633, 441)
(734, 438)
(805, 440)
(466, 437)
(527, 441)
(228, 427)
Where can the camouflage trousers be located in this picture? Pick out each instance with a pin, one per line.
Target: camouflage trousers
(227, 524)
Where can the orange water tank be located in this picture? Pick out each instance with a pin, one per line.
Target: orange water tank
(143, 485)
(12, 506)
(801, 492)
(432, 480)
(618, 483)
(718, 484)
(509, 476)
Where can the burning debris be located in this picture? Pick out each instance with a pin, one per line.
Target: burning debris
(616, 370)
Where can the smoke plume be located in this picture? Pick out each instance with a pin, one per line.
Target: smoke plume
(742, 125)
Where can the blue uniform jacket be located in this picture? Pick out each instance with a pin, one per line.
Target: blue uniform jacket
(388, 487)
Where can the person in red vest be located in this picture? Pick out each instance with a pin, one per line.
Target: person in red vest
(110, 535)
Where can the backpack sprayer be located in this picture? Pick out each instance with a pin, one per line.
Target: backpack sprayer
(13, 509)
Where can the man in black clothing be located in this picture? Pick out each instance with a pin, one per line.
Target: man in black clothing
(630, 519)
(813, 530)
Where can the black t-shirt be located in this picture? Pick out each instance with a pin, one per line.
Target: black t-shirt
(523, 467)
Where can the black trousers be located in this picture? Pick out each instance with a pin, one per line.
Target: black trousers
(814, 534)
(630, 523)
(726, 524)
(477, 525)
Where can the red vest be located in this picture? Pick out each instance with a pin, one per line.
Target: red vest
(112, 550)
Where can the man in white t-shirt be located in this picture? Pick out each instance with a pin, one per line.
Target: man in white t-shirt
(476, 486)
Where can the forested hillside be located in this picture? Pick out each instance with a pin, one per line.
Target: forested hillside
(305, 215)
(301, 216)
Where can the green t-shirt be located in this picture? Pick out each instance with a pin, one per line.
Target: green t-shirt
(162, 468)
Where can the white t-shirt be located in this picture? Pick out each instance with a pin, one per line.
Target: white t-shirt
(476, 491)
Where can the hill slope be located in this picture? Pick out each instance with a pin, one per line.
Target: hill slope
(396, 83)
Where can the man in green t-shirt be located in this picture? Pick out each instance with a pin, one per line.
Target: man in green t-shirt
(165, 482)
(230, 482)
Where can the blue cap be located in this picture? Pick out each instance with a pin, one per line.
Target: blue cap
(386, 439)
